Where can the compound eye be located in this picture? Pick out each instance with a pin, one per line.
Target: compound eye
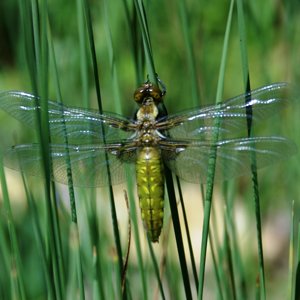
(139, 94)
(148, 90)
(155, 93)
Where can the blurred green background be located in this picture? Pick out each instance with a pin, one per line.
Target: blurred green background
(273, 45)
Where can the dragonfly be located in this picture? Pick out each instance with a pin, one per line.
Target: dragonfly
(151, 140)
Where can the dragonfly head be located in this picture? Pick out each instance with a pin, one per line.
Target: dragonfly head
(148, 93)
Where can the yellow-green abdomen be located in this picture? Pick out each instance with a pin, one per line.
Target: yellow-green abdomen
(150, 186)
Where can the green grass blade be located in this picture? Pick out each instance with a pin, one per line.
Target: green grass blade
(135, 40)
(185, 218)
(60, 100)
(28, 12)
(69, 175)
(111, 193)
(85, 32)
(143, 26)
(5, 293)
(112, 59)
(156, 269)
(27, 35)
(290, 290)
(177, 232)
(221, 279)
(235, 251)
(40, 38)
(84, 71)
(133, 213)
(39, 240)
(212, 161)
(229, 260)
(193, 76)
(92, 47)
(297, 273)
(85, 25)
(243, 44)
(17, 274)
(185, 27)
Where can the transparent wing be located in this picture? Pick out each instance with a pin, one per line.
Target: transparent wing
(233, 114)
(233, 156)
(82, 126)
(88, 162)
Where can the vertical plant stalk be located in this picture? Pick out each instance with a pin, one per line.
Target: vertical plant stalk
(212, 160)
(190, 51)
(135, 41)
(37, 55)
(16, 272)
(243, 44)
(85, 7)
(39, 238)
(177, 232)
(82, 6)
(291, 288)
(142, 18)
(156, 269)
(297, 275)
(188, 236)
(69, 174)
(133, 215)
(168, 175)
(27, 21)
(240, 278)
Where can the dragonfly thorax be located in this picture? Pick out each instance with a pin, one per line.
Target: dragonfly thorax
(148, 138)
(147, 112)
(146, 116)
(147, 135)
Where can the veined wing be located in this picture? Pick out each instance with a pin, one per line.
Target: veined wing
(233, 156)
(82, 126)
(88, 162)
(233, 114)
